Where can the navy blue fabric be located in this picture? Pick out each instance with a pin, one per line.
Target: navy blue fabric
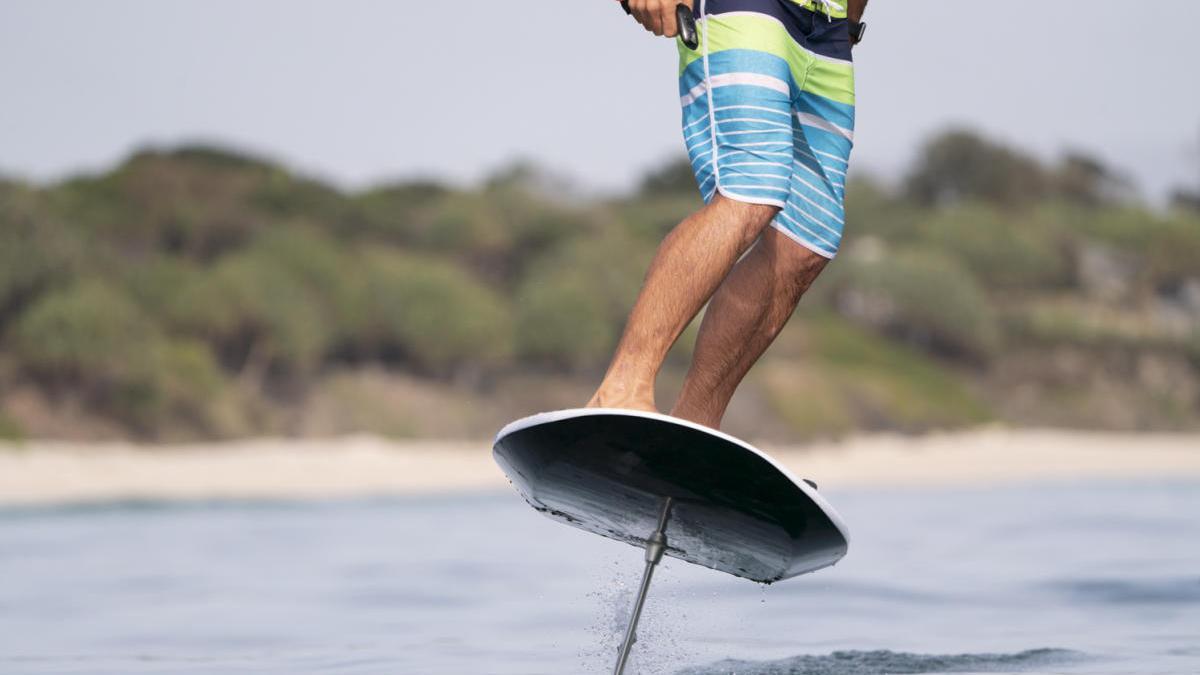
(813, 30)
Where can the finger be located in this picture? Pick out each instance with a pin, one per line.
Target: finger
(638, 7)
(670, 25)
(658, 15)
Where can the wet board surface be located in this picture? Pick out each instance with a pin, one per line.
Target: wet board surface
(734, 509)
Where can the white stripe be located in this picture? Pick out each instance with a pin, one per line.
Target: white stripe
(755, 131)
(730, 80)
(755, 187)
(695, 92)
(809, 169)
(761, 143)
(692, 124)
(712, 116)
(759, 15)
(785, 113)
(758, 121)
(756, 154)
(818, 207)
(818, 190)
(750, 79)
(762, 175)
(782, 166)
(796, 238)
(814, 234)
(816, 222)
(824, 168)
(830, 155)
(808, 119)
(751, 200)
(702, 131)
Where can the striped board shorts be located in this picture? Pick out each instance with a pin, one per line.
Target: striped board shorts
(768, 111)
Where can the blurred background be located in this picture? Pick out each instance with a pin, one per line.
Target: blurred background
(414, 222)
(223, 219)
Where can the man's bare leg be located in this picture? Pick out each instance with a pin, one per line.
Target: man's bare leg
(688, 267)
(748, 311)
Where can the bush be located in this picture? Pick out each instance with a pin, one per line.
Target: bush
(324, 268)
(88, 332)
(850, 379)
(161, 285)
(563, 321)
(872, 209)
(1005, 251)
(432, 314)
(259, 315)
(10, 429)
(392, 212)
(36, 252)
(923, 297)
(189, 203)
(496, 232)
(1174, 249)
(1065, 321)
(675, 177)
(649, 218)
(573, 300)
(94, 340)
(960, 165)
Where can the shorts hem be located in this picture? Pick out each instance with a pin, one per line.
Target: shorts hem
(806, 244)
(762, 201)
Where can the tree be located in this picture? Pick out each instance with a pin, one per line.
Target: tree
(961, 165)
(1085, 180)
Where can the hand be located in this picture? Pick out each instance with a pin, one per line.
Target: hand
(657, 16)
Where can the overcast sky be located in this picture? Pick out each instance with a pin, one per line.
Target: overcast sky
(360, 92)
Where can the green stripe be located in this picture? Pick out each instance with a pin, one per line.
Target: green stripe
(818, 7)
(834, 81)
(763, 33)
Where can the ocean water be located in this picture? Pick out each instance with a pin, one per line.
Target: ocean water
(1068, 578)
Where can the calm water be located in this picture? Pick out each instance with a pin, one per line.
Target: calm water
(1098, 578)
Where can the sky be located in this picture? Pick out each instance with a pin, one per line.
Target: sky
(362, 92)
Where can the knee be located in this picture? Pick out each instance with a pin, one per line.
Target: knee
(792, 265)
(749, 219)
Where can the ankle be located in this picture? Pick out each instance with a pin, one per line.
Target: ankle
(700, 415)
(603, 399)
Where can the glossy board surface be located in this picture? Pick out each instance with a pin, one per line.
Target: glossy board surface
(733, 508)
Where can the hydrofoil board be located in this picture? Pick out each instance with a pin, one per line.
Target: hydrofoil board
(618, 473)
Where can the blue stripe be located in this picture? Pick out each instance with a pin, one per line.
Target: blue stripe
(826, 141)
(841, 114)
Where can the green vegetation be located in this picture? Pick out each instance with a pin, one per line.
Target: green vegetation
(9, 429)
(203, 293)
(853, 379)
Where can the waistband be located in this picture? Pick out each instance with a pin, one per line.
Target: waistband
(834, 9)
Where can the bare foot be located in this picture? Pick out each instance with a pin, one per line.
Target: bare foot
(603, 400)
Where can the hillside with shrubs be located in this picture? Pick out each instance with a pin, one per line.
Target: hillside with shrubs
(199, 293)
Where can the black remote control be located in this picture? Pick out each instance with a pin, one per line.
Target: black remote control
(686, 21)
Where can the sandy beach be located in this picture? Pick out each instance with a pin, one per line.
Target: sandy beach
(46, 472)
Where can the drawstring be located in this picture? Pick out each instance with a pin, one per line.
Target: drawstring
(830, 7)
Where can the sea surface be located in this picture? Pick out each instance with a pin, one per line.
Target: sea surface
(1063, 578)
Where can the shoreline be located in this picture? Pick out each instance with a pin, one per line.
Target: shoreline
(51, 472)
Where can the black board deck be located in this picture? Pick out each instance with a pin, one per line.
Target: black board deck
(734, 509)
